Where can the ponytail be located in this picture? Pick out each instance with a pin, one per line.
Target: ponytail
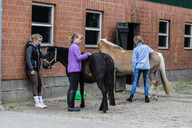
(75, 35)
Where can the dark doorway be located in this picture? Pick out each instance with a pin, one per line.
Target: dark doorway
(125, 33)
(134, 30)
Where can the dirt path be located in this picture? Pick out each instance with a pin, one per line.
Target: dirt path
(173, 111)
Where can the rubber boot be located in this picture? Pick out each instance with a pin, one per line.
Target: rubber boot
(130, 98)
(147, 99)
(71, 100)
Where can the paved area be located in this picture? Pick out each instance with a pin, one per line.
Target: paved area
(10, 119)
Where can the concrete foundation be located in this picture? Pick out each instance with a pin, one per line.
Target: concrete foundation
(21, 90)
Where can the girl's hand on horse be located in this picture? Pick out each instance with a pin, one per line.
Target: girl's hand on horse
(32, 72)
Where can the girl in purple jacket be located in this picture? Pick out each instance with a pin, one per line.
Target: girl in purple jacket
(74, 68)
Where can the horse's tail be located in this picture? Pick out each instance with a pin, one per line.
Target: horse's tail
(109, 78)
(166, 84)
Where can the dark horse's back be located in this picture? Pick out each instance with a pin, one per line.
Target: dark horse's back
(96, 67)
(99, 67)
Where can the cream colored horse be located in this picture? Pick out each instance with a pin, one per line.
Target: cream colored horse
(123, 63)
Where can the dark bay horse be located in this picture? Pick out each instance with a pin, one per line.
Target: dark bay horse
(98, 67)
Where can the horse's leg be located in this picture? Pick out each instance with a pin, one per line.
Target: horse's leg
(82, 105)
(110, 83)
(157, 91)
(151, 90)
(154, 80)
(104, 106)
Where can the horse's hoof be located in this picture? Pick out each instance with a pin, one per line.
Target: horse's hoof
(104, 111)
(112, 104)
(155, 98)
(82, 106)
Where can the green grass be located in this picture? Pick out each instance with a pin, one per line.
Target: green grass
(11, 107)
(63, 100)
(126, 92)
(183, 87)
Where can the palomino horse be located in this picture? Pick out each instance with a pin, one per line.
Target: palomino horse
(98, 67)
(123, 64)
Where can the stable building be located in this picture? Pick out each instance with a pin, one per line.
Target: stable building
(166, 26)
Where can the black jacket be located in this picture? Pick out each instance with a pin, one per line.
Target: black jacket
(33, 55)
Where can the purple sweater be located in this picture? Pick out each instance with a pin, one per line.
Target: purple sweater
(74, 58)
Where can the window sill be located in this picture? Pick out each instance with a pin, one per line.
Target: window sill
(163, 48)
(187, 48)
(91, 46)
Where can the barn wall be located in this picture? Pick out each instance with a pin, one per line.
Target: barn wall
(70, 17)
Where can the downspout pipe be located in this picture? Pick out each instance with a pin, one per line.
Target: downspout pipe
(1, 2)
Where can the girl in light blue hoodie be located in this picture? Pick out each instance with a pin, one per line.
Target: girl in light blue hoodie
(140, 63)
(74, 68)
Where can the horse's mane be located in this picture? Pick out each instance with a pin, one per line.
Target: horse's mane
(109, 43)
(58, 47)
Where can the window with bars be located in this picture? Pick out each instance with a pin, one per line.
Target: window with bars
(163, 34)
(42, 22)
(93, 28)
(188, 36)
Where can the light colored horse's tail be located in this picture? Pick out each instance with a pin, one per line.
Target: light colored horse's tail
(166, 84)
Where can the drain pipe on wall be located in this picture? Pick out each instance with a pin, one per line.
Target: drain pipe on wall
(1, 2)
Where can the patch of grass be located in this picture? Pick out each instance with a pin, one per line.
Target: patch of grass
(11, 107)
(96, 94)
(126, 92)
(62, 100)
(189, 82)
(183, 87)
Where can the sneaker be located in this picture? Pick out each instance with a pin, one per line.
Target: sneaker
(45, 106)
(39, 105)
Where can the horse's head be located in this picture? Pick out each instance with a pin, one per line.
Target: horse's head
(51, 57)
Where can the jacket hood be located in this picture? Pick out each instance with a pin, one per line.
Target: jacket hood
(31, 44)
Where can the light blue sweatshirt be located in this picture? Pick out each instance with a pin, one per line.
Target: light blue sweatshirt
(140, 57)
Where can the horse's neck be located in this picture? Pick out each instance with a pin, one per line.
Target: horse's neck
(108, 48)
(63, 56)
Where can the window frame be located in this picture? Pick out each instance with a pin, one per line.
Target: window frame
(94, 29)
(165, 34)
(190, 47)
(51, 25)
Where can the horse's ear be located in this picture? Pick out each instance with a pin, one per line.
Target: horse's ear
(49, 48)
(106, 37)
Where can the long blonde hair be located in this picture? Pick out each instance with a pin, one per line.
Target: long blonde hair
(35, 37)
(75, 35)
(138, 39)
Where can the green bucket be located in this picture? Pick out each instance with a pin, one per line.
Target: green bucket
(78, 95)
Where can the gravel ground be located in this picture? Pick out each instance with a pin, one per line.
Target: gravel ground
(169, 111)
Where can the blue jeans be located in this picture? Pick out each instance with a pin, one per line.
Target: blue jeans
(145, 79)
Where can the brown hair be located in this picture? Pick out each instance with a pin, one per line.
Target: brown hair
(35, 37)
(75, 35)
(138, 39)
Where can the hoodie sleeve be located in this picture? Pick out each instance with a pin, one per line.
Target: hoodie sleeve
(79, 55)
(42, 55)
(150, 50)
(28, 57)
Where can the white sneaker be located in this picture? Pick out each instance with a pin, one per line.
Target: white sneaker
(45, 106)
(39, 105)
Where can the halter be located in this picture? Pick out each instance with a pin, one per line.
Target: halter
(54, 59)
